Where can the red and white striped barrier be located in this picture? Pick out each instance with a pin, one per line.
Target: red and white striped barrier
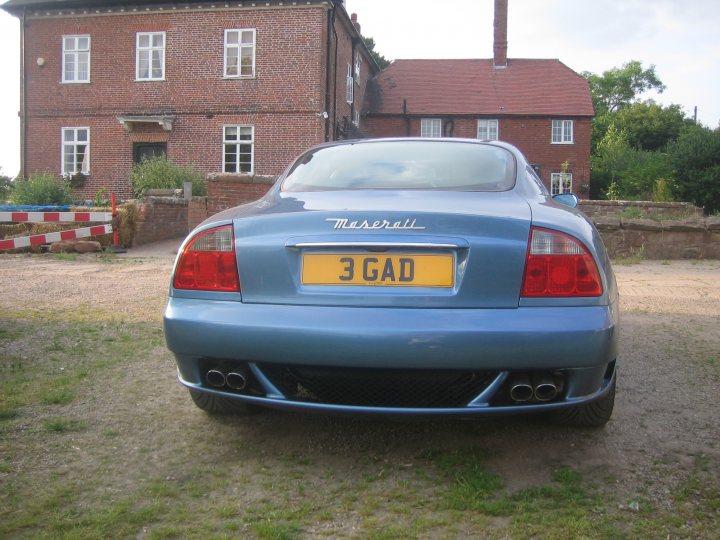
(49, 238)
(56, 217)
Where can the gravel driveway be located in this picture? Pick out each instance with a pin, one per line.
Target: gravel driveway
(666, 415)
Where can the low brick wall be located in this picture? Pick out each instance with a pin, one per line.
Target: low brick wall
(228, 190)
(160, 218)
(197, 211)
(694, 237)
(690, 238)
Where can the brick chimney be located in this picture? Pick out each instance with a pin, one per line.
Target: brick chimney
(356, 24)
(500, 34)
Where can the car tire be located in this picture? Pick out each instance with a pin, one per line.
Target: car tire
(218, 405)
(593, 414)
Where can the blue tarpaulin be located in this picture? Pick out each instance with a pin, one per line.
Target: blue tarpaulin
(32, 208)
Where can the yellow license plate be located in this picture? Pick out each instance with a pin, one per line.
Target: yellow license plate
(411, 270)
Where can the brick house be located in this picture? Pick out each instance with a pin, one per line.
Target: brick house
(541, 106)
(235, 87)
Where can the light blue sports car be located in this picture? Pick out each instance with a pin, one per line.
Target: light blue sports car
(399, 277)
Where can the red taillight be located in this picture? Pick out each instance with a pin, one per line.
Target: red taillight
(208, 262)
(558, 265)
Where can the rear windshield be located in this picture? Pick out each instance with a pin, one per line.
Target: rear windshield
(430, 165)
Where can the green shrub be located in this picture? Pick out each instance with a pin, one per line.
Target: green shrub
(41, 188)
(6, 185)
(160, 173)
(662, 191)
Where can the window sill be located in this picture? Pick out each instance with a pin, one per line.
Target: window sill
(569, 142)
(74, 82)
(239, 77)
(150, 80)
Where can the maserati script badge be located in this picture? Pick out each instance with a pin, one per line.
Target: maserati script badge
(403, 224)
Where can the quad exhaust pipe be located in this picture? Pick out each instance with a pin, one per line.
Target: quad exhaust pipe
(521, 389)
(540, 387)
(215, 378)
(235, 379)
(544, 388)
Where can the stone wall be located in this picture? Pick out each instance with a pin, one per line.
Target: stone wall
(617, 208)
(690, 238)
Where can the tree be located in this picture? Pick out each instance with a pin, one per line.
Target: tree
(6, 185)
(380, 60)
(621, 171)
(647, 125)
(609, 160)
(619, 87)
(650, 126)
(696, 159)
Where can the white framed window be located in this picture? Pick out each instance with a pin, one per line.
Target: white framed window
(430, 127)
(358, 66)
(560, 183)
(562, 132)
(150, 56)
(238, 149)
(487, 130)
(75, 150)
(76, 59)
(349, 89)
(356, 117)
(239, 53)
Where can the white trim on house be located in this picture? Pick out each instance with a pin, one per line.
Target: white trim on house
(488, 129)
(562, 132)
(155, 55)
(72, 146)
(76, 54)
(560, 183)
(431, 127)
(239, 46)
(349, 88)
(236, 141)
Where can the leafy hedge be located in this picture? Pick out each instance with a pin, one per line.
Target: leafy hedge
(41, 188)
(160, 173)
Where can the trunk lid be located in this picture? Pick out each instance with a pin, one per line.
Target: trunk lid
(385, 249)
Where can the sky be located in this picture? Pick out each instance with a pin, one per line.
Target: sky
(679, 37)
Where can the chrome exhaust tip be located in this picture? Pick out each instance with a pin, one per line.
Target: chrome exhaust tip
(521, 390)
(215, 378)
(235, 380)
(544, 388)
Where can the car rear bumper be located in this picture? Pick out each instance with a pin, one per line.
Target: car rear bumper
(578, 344)
(492, 339)
(584, 386)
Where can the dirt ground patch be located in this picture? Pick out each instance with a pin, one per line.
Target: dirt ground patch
(131, 433)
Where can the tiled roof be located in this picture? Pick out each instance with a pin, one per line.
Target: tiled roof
(445, 87)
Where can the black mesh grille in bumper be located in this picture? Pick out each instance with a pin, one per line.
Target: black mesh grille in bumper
(378, 387)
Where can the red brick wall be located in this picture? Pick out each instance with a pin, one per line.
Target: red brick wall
(197, 211)
(342, 113)
(281, 102)
(530, 134)
(229, 190)
(160, 219)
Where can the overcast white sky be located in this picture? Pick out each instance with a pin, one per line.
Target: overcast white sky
(679, 36)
